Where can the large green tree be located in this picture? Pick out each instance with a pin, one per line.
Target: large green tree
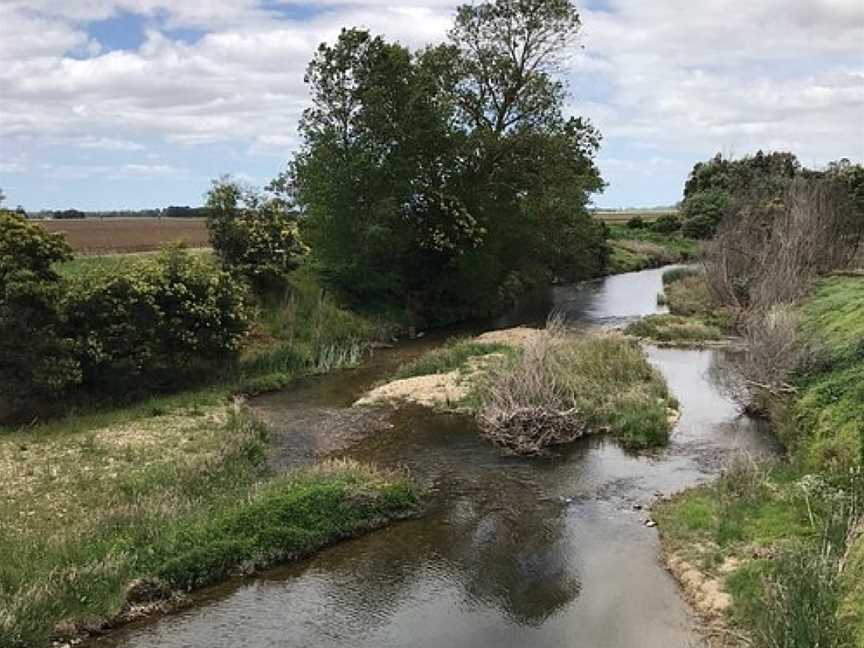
(721, 187)
(433, 179)
(717, 186)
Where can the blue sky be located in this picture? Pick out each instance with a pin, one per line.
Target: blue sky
(108, 104)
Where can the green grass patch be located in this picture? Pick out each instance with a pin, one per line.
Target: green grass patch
(749, 506)
(591, 383)
(178, 501)
(639, 249)
(791, 601)
(673, 328)
(802, 521)
(110, 263)
(677, 274)
(450, 357)
(851, 612)
(610, 381)
(835, 313)
(825, 425)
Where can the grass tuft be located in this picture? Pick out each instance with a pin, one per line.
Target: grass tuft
(673, 328)
(575, 385)
(453, 355)
(638, 249)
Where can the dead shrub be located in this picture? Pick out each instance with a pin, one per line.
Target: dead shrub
(524, 407)
(768, 253)
(562, 387)
(775, 350)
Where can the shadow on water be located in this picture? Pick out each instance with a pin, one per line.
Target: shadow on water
(548, 551)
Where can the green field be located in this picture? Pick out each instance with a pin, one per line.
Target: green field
(620, 217)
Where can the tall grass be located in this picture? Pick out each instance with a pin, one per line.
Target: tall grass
(174, 516)
(673, 328)
(677, 274)
(301, 331)
(451, 356)
(795, 537)
(801, 599)
(562, 386)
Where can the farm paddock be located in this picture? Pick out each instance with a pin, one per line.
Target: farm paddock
(120, 235)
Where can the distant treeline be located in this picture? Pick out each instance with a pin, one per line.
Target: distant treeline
(173, 211)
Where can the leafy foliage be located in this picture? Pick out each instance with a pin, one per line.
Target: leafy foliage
(666, 224)
(154, 321)
(446, 179)
(703, 211)
(254, 235)
(36, 359)
(712, 185)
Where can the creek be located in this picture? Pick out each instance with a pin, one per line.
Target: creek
(513, 552)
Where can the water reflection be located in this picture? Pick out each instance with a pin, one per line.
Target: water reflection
(542, 552)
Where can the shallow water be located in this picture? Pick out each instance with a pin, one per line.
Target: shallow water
(546, 551)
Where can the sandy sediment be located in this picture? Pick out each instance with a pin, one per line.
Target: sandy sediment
(447, 389)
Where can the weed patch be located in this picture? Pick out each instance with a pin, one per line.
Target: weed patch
(559, 388)
(453, 355)
(673, 328)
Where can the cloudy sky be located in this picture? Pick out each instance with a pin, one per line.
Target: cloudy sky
(139, 103)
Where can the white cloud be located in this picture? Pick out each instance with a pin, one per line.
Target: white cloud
(722, 75)
(663, 80)
(111, 172)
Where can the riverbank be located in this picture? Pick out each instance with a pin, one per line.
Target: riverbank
(103, 525)
(511, 551)
(784, 542)
(91, 493)
(642, 249)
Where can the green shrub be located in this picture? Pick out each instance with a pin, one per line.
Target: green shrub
(36, 360)
(154, 322)
(703, 211)
(666, 224)
(699, 227)
(637, 222)
(255, 236)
